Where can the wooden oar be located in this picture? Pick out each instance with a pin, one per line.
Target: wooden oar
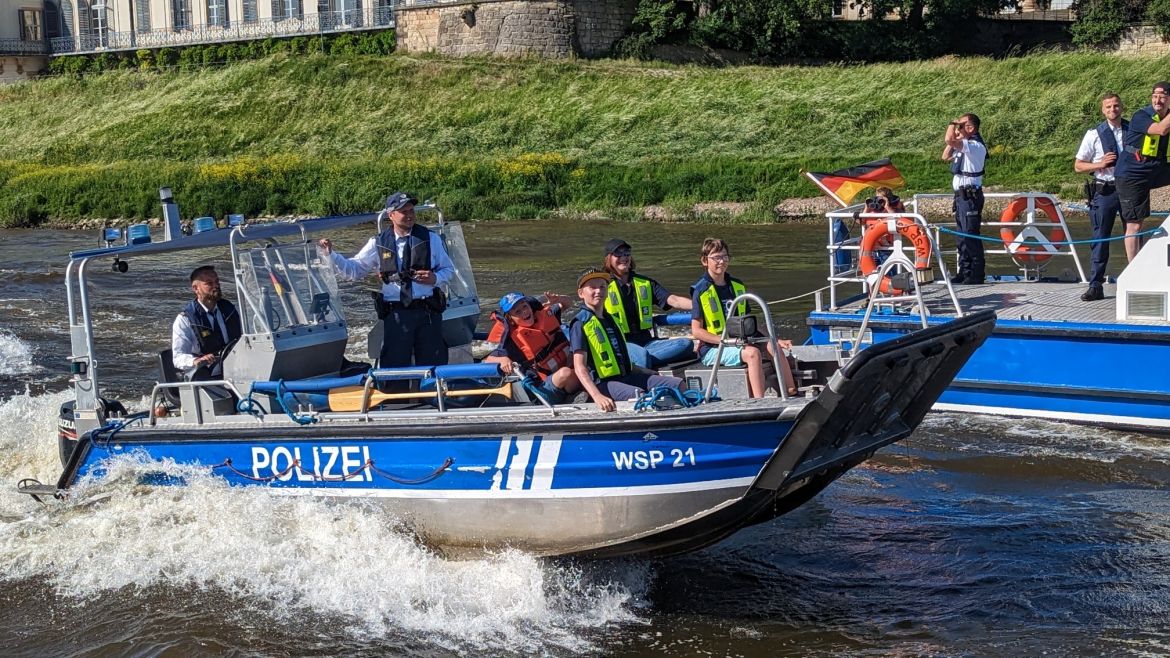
(351, 398)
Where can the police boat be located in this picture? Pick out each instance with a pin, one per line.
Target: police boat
(1051, 355)
(658, 476)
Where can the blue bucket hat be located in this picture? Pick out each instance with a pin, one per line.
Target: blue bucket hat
(510, 300)
(399, 199)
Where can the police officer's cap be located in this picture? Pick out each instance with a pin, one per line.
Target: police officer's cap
(399, 199)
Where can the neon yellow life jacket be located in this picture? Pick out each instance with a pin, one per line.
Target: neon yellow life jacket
(1151, 142)
(643, 294)
(713, 313)
(605, 358)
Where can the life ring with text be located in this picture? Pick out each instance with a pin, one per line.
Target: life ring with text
(1042, 248)
(907, 228)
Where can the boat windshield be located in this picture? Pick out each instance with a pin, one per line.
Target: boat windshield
(284, 286)
(462, 285)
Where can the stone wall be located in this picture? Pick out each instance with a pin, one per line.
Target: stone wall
(545, 28)
(600, 23)
(1142, 40)
(14, 68)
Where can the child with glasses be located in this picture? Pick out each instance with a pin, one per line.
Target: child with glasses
(710, 297)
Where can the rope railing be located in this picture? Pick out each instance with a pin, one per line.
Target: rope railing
(1153, 232)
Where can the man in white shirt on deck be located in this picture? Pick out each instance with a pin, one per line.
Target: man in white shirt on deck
(412, 263)
(967, 153)
(1097, 155)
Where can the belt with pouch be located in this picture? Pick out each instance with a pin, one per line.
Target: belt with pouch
(1137, 154)
(1105, 187)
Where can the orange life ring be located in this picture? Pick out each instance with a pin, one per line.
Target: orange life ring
(909, 229)
(1024, 252)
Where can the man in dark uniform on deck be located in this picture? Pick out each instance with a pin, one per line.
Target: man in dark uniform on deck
(967, 154)
(201, 331)
(1097, 156)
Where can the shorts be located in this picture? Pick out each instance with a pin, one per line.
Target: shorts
(732, 356)
(1134, 195)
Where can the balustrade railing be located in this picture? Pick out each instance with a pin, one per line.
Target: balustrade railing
(300, 25)
(22, 47)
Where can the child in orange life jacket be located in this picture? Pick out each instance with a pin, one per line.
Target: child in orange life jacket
(709, 299)
(529, 334)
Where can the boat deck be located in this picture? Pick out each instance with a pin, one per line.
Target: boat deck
(1051, 301)
(428, 420)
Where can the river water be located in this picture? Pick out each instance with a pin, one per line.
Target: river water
(974, 537)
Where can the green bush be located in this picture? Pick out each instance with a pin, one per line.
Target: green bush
(190, 58)
(1158, 13)
(1099, 22)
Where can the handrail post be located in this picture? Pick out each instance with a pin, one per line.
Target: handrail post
(756, 299)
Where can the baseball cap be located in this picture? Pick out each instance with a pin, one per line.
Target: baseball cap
(399, 199)
(510, 300)
(615, 244)
(592, 273)
(1163, 85)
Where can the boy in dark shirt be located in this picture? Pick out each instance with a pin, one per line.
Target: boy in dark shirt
(709, 299)
(601, 359)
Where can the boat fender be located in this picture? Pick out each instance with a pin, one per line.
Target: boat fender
(1042, 248)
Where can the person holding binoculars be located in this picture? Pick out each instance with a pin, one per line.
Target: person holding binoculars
(967, 153)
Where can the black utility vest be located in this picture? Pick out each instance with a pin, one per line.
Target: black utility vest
(207, 330)
(420, 251)
(1108, 139)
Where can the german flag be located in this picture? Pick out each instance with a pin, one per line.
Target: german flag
(845, 184)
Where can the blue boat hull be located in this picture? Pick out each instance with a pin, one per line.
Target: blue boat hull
(1068, 371)
(581, 482)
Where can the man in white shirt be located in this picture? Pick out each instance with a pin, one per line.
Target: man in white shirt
(203, 328)
(1097, 155)
(412, 263)
(967, 153)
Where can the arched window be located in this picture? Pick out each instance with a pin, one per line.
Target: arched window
(180, 15)
(83, 15)
(286, 9)
(142, 16)
(67, 18)
(52, 20)
(217, 13)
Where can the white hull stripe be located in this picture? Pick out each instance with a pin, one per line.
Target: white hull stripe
(1131, 421)
(447, 494)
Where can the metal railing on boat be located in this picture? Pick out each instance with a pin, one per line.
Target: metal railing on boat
(755, 299)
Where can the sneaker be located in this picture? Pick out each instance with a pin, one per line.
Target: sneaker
(1094, 293)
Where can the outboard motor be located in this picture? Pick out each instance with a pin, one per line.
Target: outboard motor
(66, 431)
(67, 428)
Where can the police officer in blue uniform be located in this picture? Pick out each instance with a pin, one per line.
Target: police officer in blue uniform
(1142, 165)
(967, 154)
(412, 263)
(202, 330)
(1099, 151)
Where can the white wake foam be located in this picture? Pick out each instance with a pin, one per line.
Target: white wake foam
(288, 556)
(15, 354)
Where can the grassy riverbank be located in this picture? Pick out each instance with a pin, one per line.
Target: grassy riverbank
(492, 138)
